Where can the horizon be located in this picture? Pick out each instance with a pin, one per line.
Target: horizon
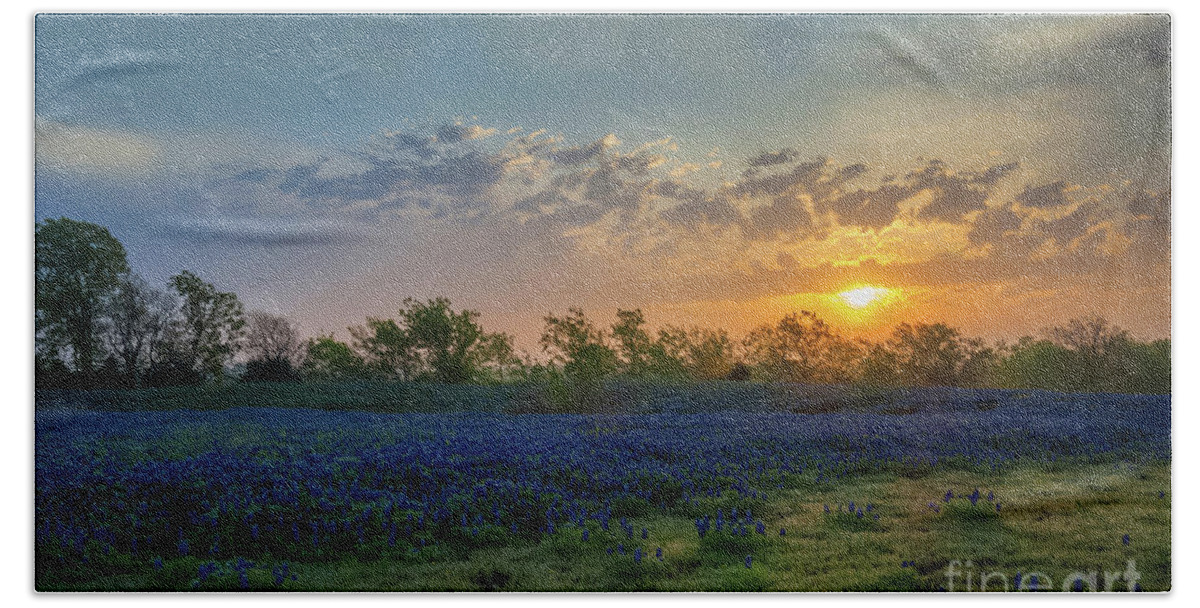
(709, 170)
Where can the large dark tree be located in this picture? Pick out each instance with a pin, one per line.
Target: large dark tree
(801, 347)
(579, 346)
(273, 337)
(274, 347)
(213, 323)
(141, 326)
(78, 266)
(453, 344)
(928, 354)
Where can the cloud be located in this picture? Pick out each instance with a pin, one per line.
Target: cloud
(579, 155)
(99, 152)
(1046, 195)
(994, 225)
(456, 133)
(869, 207)
(445, 174)
(781, 217)
(767, 159)
(258, 232)
(956, 194)
(781, 211)
(1154, 207)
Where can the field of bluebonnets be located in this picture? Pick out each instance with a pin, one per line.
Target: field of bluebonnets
(900, 490)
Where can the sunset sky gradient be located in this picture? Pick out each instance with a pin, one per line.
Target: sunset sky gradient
(999, 173)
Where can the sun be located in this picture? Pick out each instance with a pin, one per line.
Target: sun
(861, 297)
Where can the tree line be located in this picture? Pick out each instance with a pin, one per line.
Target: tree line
(99, 325)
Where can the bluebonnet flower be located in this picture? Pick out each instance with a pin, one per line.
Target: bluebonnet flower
(205, 571)
(658, 554)
(280, 573)
(585, 535)
(1125, 540)
(749, 561)
(783, 531)
(645, 533)
(637, 555)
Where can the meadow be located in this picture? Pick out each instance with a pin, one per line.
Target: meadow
(715, 487)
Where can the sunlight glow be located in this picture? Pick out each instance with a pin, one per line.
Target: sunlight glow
(862, 296)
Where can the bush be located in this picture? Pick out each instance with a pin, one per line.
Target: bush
(275, 369)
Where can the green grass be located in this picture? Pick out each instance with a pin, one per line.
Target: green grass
(1053, 520)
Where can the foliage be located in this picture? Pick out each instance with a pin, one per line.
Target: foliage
(328, 359)
(580, 347)
(801, 347)
(213, 323)
(1088, 356)
(272, 337)
(77, 270)
(452, 346)
(275, 369)
(142, 328)
(431, 341)
(387, 349)
(99, 325)
(927, 354)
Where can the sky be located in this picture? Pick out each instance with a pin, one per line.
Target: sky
(1002, 174)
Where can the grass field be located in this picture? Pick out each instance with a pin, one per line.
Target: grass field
(190, 500)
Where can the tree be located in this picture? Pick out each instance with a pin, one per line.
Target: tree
(274, 348)
(579, 346)
(927, 354)
(388, 350)
(699, 353)
(1097, 353)
(213, 323)
(879, 366)
(633, 343)
(1093, 338)
(272, 337)
(980, 367)
(329, 359)
(801, 348)
(140, 326)
(453, 346)
(1037, 364)
(77, 269)
(433, 341)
